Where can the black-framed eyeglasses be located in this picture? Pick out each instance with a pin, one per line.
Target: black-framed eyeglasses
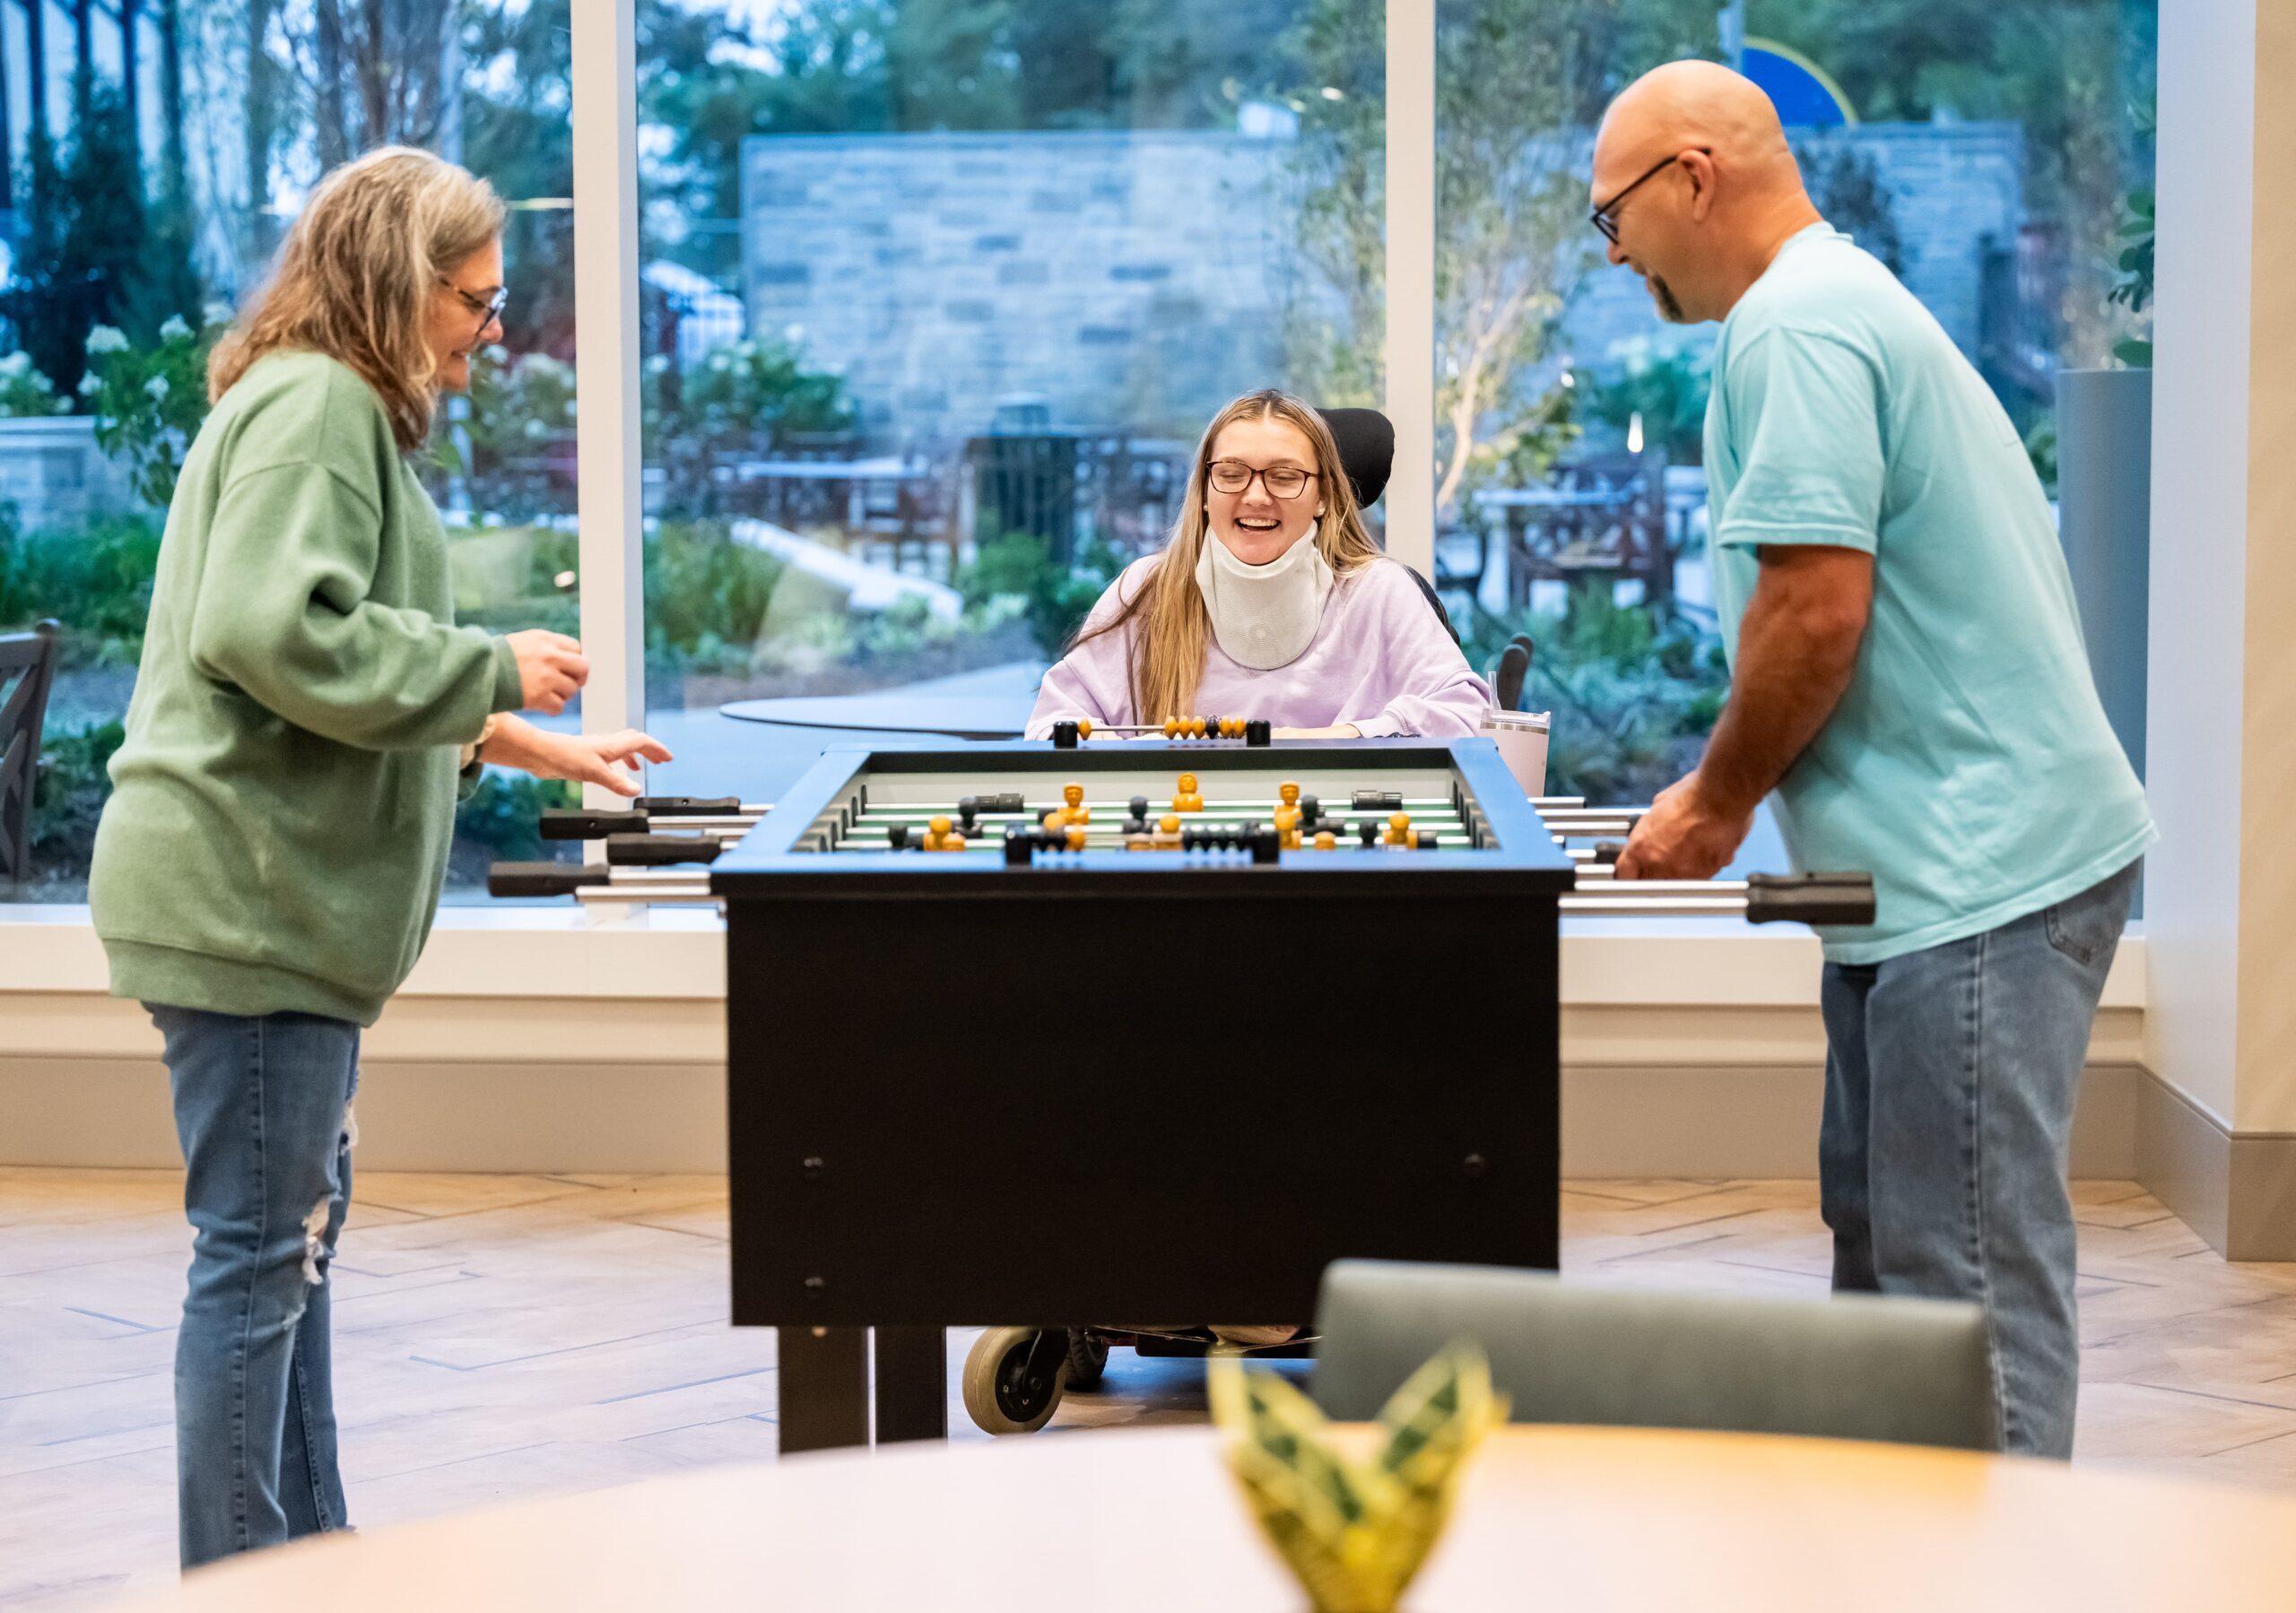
(1281, 481)
(489, 308)
(1602, 216)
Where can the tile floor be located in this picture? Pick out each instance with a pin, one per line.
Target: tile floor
(501, 1336)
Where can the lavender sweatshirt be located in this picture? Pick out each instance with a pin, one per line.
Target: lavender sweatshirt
(1379, 660)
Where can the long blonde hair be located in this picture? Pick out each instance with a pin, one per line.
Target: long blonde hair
(357, 272)
(1168, 660)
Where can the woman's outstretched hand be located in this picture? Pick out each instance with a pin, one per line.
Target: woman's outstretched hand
(591, 759)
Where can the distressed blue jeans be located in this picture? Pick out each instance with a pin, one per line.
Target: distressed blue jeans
(262, 1112)
(1951, 1075)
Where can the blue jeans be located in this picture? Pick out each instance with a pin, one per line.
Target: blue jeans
(263, 1111)
(1951, 1075)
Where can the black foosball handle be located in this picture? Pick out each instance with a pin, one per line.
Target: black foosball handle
(1810, 899)
(688, 806)
(660, 850)
(575, 823)
(541, 879)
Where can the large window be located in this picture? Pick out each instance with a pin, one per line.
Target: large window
(936, 296)
(1995, 153)
(154, 156)
(939, 297)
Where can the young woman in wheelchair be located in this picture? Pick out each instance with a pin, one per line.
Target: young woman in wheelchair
(1269, 602)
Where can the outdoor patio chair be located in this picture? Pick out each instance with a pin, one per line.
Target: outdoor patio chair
(27, 669)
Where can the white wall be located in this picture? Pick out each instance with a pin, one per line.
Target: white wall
(2201, 439)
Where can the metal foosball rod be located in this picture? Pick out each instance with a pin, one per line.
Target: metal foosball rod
(725, 817)
(1579, 822)
(1255, 731)
(656, 850)
(1763, 898)
(597, 882)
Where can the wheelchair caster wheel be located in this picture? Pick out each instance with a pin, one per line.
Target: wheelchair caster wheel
(1088, 1358)
(1001, 1393)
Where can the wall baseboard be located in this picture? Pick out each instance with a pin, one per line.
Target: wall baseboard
(1761, 1121)
(413, 1116)
(503, 1116)
(2237, 1192)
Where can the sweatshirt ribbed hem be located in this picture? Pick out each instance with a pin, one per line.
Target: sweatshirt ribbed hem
(509, 688)
(150, 973)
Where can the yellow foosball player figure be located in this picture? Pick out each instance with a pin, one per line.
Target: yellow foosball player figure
(1078, 812)
(1189, 799)
(1287, 826)
(941, 834)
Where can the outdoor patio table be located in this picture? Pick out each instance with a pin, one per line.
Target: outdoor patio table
(959, 717)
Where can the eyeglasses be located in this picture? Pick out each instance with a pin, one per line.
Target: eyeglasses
(1281, 481)
(1603, 217)
(489, 308)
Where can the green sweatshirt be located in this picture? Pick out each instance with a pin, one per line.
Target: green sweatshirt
(282, 807)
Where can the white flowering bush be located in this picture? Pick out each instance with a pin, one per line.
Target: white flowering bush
(149, 401)
(512, 446)
(25, 391)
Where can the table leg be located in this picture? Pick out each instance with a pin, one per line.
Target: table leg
(824, 1388)
(912, 1384)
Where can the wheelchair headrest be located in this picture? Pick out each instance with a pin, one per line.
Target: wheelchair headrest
(1366, 448)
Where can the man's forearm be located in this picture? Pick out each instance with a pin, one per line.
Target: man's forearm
(1793, 662)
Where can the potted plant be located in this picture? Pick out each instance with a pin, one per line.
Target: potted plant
(2104, 472)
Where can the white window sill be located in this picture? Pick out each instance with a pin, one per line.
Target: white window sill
(674, 954)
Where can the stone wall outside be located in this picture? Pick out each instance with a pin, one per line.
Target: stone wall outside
(1137, 278)
(1140, 279)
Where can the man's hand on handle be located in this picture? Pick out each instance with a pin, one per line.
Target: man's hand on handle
(609, 759)
(1685, 836)
(552, 670)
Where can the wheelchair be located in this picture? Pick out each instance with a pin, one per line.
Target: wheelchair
(1015, 1377)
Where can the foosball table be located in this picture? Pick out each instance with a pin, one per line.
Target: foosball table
(1061, 1032)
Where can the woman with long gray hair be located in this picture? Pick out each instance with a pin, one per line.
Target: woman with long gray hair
(270, 861)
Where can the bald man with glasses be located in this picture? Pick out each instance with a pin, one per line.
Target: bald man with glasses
(1909, 688)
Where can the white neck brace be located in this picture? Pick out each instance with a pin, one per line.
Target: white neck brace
(1263, 616)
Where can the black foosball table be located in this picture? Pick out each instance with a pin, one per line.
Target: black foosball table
(1069, 1035)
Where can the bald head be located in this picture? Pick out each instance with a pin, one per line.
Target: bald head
(1728, 191)
(1701, 104)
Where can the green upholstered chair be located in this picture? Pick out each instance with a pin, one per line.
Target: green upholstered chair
(1855, 1367)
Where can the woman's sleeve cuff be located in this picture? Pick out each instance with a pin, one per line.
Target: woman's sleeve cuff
(509, 687)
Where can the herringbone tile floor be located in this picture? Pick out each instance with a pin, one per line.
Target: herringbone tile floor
(498, 1337)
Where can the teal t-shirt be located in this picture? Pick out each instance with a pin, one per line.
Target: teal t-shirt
(1968, 766)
